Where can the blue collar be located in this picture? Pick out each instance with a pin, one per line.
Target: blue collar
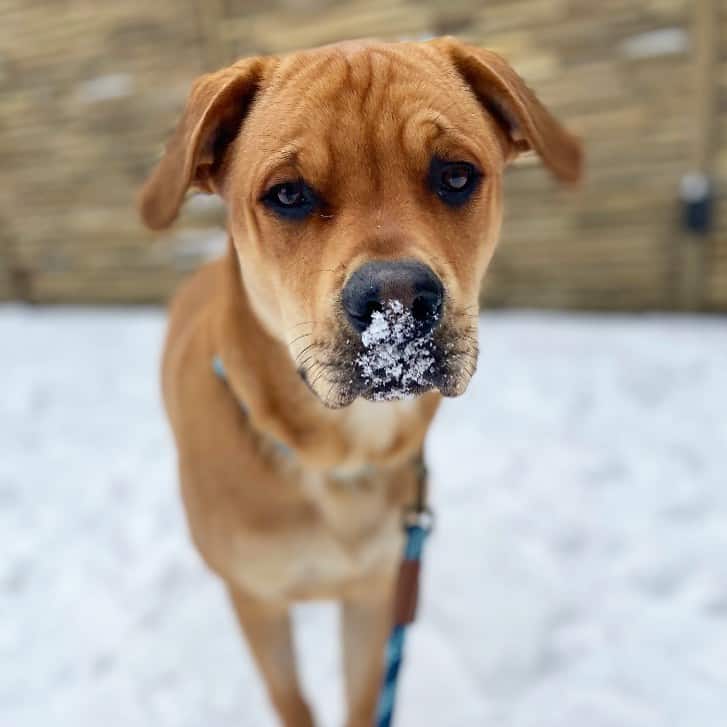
(280, 448)
(219, 368)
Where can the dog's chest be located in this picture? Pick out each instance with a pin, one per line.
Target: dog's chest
(343, 528)
(374, 425)
(353, 535)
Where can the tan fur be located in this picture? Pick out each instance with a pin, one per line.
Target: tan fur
(361, 121)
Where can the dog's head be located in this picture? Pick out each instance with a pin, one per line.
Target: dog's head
(363, 183)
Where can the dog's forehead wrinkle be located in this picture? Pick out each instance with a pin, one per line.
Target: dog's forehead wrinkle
(373, 66)
(291, 69)
(359, 103)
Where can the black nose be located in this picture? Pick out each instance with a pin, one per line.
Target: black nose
(411, 283)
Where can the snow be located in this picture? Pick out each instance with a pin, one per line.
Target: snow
(394, 356)
(577, 574)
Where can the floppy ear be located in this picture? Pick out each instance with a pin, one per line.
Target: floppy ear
(528, 124)
(211, 120)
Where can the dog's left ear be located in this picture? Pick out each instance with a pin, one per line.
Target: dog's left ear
(528, 124)
(211, 119)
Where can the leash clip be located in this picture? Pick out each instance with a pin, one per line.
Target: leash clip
(419, 516)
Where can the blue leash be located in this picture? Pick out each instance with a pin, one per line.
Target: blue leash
(407, 592)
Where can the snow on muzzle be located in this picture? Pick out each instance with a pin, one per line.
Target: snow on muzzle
(397, 360)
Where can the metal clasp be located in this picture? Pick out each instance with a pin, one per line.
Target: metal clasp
(420, 517)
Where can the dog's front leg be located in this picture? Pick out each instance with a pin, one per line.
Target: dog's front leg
(366, 622)
(268, 632)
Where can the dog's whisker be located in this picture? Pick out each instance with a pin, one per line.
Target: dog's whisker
(303, 367)
(468, 352)
(330, 364)
(310, 368)
(304, 351)
(303, 323)
(317, 378)
(297, 338)
(463, 356)
(330, 389)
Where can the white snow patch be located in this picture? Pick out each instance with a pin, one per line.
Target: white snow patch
(394, 357)
(576, 575)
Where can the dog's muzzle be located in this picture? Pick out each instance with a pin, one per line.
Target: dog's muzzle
(395, 307)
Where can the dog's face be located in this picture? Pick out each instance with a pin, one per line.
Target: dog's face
(364, 188)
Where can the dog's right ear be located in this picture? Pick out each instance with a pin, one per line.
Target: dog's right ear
(211, 120)
(527, 123)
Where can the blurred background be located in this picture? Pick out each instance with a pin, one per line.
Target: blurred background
(577, 574)
(89, 93)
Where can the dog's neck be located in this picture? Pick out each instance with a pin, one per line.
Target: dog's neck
(262, 375)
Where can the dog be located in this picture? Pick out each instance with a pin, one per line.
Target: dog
(301, 371)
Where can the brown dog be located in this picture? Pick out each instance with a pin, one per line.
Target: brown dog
(363, 183)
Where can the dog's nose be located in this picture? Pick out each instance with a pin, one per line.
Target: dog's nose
(409, 282)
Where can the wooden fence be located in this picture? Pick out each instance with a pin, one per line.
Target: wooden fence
(89, 92)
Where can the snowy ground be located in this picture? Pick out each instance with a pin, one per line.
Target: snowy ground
(578, 575)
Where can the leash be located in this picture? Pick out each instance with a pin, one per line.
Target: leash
(418, 522)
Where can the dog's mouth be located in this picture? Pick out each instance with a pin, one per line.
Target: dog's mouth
(394, 358)
(397, 360)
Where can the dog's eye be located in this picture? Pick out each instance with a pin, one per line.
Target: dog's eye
(456, 177)
(453, 182)
(294, 200)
